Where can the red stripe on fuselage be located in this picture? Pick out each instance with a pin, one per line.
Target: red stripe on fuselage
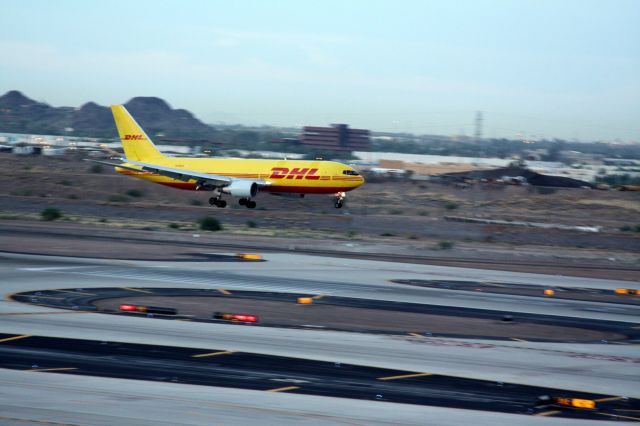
(274, 188)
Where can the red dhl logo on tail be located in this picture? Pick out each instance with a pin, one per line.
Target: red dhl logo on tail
(295, 173)
(133, 137)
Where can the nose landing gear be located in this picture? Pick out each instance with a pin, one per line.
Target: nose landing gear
(339, 200)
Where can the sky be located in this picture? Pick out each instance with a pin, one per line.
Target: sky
(536, 69)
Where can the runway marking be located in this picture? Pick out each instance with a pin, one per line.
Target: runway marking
(48, 297)
(43, 313)
(611, 398)
(43, 422)
(618, 416)
(212, 354)
(52, 369)
(627, 410)
(288, 388)
(52, 268)
(8, 339)
(518, 340)
(415, 334)
(318, 297)
(548, 413)
(223, 291)
(137, 289)
(194, 413)
(76, 292)
(405, 376)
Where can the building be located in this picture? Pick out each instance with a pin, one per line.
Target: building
(338, 137)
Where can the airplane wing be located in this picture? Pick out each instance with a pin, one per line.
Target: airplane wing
(204, 179)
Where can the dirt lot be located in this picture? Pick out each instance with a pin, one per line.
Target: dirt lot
(405, 215)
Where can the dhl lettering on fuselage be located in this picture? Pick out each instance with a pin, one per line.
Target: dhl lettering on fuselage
(133, 137)
(295, 173)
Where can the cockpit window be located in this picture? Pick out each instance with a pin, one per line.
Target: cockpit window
(350, 173)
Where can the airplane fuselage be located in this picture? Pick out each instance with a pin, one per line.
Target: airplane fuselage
(282, 176)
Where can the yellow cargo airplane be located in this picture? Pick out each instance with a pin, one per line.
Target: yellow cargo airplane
(243, 178)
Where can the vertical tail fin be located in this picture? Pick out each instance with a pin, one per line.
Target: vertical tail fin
(137, 145)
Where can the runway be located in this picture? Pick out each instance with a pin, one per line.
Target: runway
(598, 368)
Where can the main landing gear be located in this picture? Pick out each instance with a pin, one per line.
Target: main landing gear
(339, 200)
(218, 202)
(247, 202)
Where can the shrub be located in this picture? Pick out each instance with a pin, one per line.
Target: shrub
(134, 193)
(445, 245)
(351, 233)
(423, 213)
(72, 197)
(96, 168)
(50, 213)
(395, 211)
(386, 234)
(625, 228)
(65, 182)
(173, 225)
(103, 220)
(210, 223)
(117, 198)
(251, 224)
(450, 205)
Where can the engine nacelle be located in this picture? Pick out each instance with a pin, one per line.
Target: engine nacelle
(241, 188)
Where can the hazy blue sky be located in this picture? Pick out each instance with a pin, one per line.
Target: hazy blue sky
(561, 68)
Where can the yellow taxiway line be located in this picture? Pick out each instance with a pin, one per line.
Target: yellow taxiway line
(212, 354)
(610, 398)
(53, 369)
(548, 413)
(405, 376)
(8, 339)
(76, 292)
(137, 289)
(288, 388)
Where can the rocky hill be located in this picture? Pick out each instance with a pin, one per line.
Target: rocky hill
(19, 114)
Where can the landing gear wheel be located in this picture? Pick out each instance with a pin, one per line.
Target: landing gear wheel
(242, 201)
(338, 204)
(216, 201)
(251, 204)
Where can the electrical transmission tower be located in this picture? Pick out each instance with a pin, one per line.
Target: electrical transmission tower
(478, 128)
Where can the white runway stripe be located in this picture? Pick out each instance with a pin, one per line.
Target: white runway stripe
(211, 280)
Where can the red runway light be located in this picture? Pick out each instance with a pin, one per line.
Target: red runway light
(128, 308)
(245, 318)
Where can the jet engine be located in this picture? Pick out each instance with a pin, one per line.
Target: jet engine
(241, 188)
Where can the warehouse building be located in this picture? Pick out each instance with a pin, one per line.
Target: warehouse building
(338, 137)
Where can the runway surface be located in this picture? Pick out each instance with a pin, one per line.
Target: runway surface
(608, 369)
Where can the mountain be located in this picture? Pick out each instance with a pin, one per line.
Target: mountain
(19, 114)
